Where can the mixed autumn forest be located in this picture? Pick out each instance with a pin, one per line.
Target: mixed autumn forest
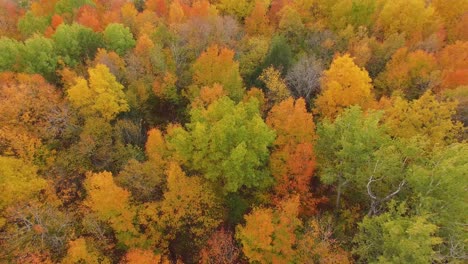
(233, 131)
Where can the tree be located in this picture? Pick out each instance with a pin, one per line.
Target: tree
(176, 13)
(138, 256)
(29, 24)
(352, 12)
(226, 143)
(220, 249)
(438, 190)
(35, 228)
(216, 65)
(395, 238)
(315, 245)
(39, 56)
(76, 43)
(112, 61)
(346, 146)
(9, 13)
(10, 56)
(19, 182)
(32, 112)
(118, 38)
(292, 162)
(158, 6)
(79, 251)
(399, 17)
(101, 96)
(146, 181)
(111, 205)
(208, 95)
(450, 15)
(279, 55)
(251, 54)
(425, 116)
(189, 211)
(89, 17)
(343, 85)
(269, 234)
(238, 9)
(303, 78)
(410, 72)
(291, 24)
(277, 89)
(69, 6)
(55, 22)
(452, 62)
(257, 23)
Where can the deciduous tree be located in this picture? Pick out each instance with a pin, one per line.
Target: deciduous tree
(118, 38)
(101, 96)
(269, 234)
(217, 65)
(425, 116)
(292, 162)
(343, 85)
(227, 143)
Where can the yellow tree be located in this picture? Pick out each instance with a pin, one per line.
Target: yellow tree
(189, 208)
(217, 65)
(425, 116)
(18, 182)
(277, 89)
(101, 96)
(79, 251)
(239, 9)
(414, 18)
(269, 234)
(343, 85)
(111, 204)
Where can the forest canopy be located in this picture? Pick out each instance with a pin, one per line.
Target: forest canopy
(233, 131)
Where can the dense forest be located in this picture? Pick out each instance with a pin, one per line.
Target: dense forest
(233, 131)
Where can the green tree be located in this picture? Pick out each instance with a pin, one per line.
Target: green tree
(9, 57)
(39, 56)
(345, 146)
(118, 38)
(76, 43)
(68, 6)
(439, 189)
(394, 237)
(226, 143)
(30, 24)
(279, 55)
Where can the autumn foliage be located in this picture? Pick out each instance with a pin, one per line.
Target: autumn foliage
(233, 131)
